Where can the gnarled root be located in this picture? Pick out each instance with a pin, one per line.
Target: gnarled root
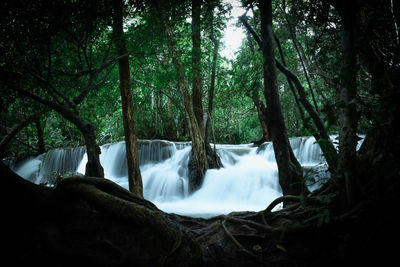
(114, 200)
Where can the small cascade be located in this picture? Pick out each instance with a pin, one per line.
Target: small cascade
(306, 152)
(28, 168)
(59, 161)
(153, 151)
(113, 157)
(248, 180)
(113, 160)
(167, 180)
(45, 167)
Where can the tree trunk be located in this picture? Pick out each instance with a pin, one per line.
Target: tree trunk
(196, 66)
(17, 128)
(70, 112)
(93, 165)
(290, 171)
(259, 106)
(134, 176)
(212, 88)
(290, 83)
(347, 161)
(198, 145)
(170, 126)
(39, 128)
(297, 46)
(321, 136)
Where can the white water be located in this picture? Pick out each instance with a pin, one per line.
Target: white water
(248, 181)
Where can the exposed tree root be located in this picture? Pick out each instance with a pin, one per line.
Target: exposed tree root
(117, 201)
(242, 249)
(281, 199)
(106, 186)
(261, 227)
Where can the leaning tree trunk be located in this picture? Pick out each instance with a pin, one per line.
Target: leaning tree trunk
(132, 154)
(198, 144)
(290, 171)
(298, 48)
(71, 113)
(320, 134)
(17, 128)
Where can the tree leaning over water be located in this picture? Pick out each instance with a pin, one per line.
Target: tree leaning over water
(56, 80)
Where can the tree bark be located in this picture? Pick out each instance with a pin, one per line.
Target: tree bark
(17, 128)
(290, 171)
(134, 175)
(40, 134)
(347, 160)
(290, 83)
(297, 46)
(260, 107)
(196, 66)
(93, 166)
(198, 144)
(258, 104)
(321, 136)
(170, 126)
(212, 88)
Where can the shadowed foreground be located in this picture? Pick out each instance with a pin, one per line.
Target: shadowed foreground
(94, 221)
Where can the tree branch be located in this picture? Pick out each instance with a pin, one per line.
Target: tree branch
(251, 30)
(18, 127)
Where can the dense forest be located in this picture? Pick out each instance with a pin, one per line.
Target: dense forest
(86, 73)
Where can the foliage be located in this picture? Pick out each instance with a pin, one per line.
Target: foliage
(76, 38)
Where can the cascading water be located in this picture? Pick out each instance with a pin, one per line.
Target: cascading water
(28, 168)
(43, 168)
(248, 181)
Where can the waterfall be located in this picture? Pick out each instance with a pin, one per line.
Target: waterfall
(248, 180)
(27, 168)
(45, 167)
(59, 161)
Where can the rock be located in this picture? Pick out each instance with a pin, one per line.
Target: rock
(195, 178)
